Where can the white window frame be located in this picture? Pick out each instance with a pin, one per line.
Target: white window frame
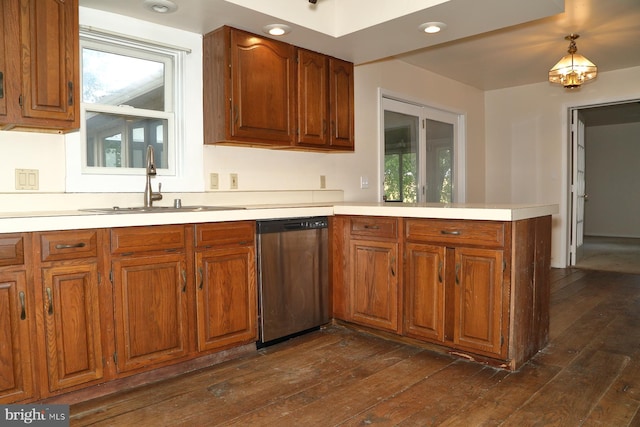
(81, 178)
(427, 111)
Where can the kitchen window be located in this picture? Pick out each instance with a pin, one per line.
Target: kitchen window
(128, 103)
(422, 153)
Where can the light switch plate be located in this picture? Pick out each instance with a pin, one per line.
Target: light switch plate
(323, 181)
(213, 181)
(233, 181)
(27, 179)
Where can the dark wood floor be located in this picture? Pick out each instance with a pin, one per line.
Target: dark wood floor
(589, 375)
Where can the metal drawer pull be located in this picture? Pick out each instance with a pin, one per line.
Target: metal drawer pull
(70, 245)
(50, 297)
(452, 233)
(371, 227)
(23, 311)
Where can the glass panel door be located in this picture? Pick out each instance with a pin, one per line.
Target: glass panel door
(418, 153)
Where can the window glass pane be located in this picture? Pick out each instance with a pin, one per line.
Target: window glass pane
(115, 79)
(115, 140)
(439, 160)
(400, 157)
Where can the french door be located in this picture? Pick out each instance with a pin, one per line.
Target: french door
(420, 162)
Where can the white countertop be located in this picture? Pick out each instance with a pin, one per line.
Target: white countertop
(75, 219)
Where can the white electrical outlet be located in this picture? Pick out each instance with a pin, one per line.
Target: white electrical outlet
(27, 179)
(364, 182)
(233, 181)
(213, 181)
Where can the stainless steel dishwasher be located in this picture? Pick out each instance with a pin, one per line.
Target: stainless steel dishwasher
(293, 278)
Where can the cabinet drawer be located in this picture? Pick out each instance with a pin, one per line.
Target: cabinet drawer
(380, 227)
(485, 233)
(225, 234)
(146, 239)
(11, 249)
(60, 245)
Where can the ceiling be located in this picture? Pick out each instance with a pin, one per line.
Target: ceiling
(489, 45)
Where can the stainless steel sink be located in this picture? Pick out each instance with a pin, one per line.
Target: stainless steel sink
(160, 209)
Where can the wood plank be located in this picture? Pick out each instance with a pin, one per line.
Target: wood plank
(566, 399)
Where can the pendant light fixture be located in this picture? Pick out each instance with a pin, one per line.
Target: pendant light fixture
(573, 69)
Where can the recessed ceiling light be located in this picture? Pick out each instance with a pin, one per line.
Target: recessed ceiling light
(160, 6)
(432, 27)
(276, 29)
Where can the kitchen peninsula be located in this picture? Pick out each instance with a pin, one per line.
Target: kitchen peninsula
(471, 279)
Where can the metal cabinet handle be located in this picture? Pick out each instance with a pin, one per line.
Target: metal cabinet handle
(1, 84)
(50, 298)
(457, 275)
(23, 311)
(440, 272)
(452, 233)
(70, 87)
(201, 278)
(393, 271)
(184, 280)
(70, 245)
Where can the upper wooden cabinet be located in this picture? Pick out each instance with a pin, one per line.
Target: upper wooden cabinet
(324, 101)
(39, 65)
(262, 92)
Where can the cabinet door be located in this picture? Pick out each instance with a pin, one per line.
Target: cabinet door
(312, 98)
(341, 103)
(16, 381)
(49, 34)
(424, 308)
(262, 89)
(72, 325)
(226, 297)
(478, 297)
(150, 297)
(4, 33)
(374, 284)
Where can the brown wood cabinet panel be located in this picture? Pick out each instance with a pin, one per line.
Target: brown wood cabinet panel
(146, 239)
(425, 291)
(11, 249)
(16, 317)
(258, 83)
(75, 244)
(72, 325)
(374, 293)
(5, 33)
(456, 232)
(341, 101)
(226, 297)
(479, 300)
(313, 98)
(50, 47)
(150, 298)
(374, 227)
(225, 234)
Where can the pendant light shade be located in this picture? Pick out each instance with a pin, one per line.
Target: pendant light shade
(573, 69)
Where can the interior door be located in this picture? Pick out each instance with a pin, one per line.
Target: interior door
(578, 190)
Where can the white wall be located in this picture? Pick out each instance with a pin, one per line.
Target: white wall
(613, 180)
(527, 142)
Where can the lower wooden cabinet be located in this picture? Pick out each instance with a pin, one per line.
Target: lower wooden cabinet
(16, 336)
(425, 284)
(150, 307)
(226, 296)
(478, 288)
(68, 265)
(374, 284)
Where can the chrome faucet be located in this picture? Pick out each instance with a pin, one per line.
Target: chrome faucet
(149, 195)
